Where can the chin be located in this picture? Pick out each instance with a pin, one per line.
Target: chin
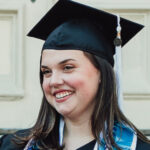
(64, 113)
(65, 109)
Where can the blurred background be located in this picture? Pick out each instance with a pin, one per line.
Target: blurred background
(20, 92)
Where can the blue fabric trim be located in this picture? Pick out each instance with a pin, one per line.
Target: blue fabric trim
(33, 146)
(123, 136)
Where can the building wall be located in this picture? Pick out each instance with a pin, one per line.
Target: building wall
(20, 93)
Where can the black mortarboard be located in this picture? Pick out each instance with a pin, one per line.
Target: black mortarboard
(71, 25)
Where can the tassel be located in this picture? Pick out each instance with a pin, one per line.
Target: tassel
(118, 65)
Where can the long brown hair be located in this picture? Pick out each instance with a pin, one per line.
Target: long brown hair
(106, 111)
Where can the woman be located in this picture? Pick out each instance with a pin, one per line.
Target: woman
(80, 106)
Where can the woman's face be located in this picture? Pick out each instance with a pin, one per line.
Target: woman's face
(70, 81)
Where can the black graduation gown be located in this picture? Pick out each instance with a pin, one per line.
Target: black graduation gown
(5, 144)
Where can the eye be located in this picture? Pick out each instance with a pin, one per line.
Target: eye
(68, 67)
(46, 72)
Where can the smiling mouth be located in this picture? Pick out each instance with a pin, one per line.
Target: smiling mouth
(63, 94)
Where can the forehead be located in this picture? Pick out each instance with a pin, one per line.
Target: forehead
(59, 55)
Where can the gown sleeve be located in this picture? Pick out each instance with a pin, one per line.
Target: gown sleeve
(6, 141)
(142, 145)
(7, 144)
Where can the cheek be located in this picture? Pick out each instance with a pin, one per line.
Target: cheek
(45, 86)
(84, 78)
(77, 83)
(86, 84)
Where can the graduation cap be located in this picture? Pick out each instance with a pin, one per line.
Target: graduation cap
(71, 25)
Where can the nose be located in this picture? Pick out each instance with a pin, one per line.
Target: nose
(56, 79)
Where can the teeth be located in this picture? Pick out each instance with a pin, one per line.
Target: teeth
(62, 94)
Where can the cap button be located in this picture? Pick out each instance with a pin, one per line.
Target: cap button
(117, 41)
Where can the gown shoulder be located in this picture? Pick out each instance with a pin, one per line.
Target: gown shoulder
(6, 141)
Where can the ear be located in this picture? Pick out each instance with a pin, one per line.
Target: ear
(99, 80)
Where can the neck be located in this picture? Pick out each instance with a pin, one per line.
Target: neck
(77, 133)
(78, 130)
(78, 127)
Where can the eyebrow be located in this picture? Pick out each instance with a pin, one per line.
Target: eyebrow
(66, 60)
(60, 63)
